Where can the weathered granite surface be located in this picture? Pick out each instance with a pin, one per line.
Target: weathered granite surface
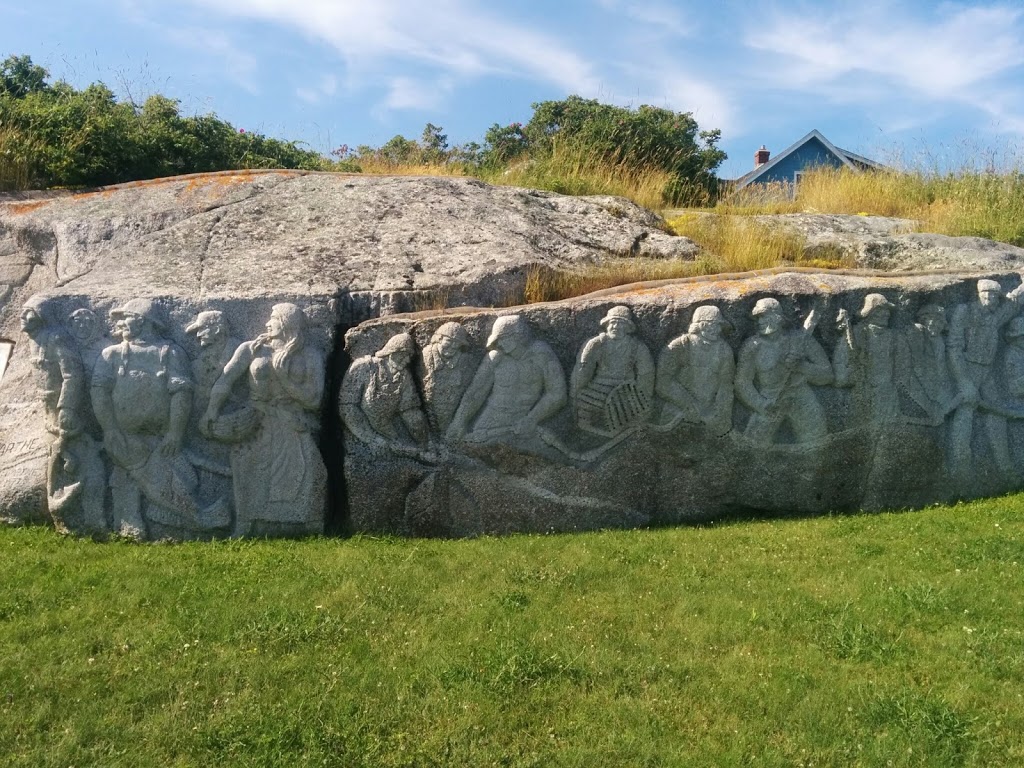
(688, 400)
(171, 366)
(890, 244)
(143, 389)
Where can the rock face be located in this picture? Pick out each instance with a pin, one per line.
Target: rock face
(164, 346)
(878, 242)
(685, 401)
(172, 367)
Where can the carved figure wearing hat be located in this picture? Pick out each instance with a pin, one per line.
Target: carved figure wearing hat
(974, 335)
(612, 383)
(447, 371)
(774, 373)
(378, 399)
(696, 373)
(216, 347)
(142, 396)
(865, 359)
(519, 384)
(74, 478)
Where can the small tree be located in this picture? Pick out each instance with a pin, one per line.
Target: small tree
(434, 145)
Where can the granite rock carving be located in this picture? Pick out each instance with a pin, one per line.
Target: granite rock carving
(278, 474)
(130, 404)
(745, 410)
(612, 382)
(143, 441)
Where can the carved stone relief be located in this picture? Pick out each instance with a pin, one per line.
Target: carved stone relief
(448, 369)
(612, 383)
(865, 359)
(774, 374)
(923, 368)
(696, 373)
(974, 336)
(519, 384)
(142, 397)
(279, 478)
(379, 401)
(74, 472)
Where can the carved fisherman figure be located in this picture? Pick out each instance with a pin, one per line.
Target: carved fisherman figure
(774, 374)
(210, 457)
(923, 369)
(696, 373)
(142, 394)
(379, 401)
(974, 335)
(518, 385)
(447, 371)
(75, 484)
(613, 381)
(865, 359)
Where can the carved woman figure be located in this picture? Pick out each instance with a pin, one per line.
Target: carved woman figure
(279, 477)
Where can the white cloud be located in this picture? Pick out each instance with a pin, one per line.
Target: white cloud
(409, 93)
(455, 38)
(652, 13)
(239, 65)
(326, 87)
(961, 55)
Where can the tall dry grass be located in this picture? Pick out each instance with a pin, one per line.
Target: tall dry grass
(572, 168)
(968, 202)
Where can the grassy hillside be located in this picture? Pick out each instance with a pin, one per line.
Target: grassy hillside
(868, 640)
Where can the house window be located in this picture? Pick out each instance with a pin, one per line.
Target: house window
(797, 177)
(6, 350)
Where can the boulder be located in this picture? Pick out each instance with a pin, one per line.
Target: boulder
(165, 345)
(681, 401)
(894, 245)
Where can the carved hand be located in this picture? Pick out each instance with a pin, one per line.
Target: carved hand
(171, 445)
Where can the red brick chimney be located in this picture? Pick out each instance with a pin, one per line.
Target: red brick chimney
(761, 156)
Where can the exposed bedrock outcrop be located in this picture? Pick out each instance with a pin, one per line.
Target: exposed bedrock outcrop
(177, 366)
(109, 427)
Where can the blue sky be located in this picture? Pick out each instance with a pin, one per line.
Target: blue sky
(921, 82)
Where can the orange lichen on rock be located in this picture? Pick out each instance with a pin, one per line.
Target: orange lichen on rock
(26, 207)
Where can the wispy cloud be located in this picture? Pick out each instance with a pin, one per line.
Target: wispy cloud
(239, 65)
(446, 39)
(955, 55)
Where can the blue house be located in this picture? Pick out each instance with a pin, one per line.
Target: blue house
(812, 151)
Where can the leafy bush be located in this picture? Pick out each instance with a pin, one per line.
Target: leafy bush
(55, 135)
(641, 140)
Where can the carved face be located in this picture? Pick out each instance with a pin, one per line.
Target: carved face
(989, 298)
(209, 334)
(711, 330)
(769, 322)
(619, 327)
(131, 325)
(880, 317)
(510, 343)
(83, 324)
(30, 320)
(934, 325)
(399, 359)
(275, 325)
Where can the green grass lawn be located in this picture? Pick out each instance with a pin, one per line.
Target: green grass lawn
(869, 640)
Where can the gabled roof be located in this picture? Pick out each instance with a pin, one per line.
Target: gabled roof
(848, 159)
